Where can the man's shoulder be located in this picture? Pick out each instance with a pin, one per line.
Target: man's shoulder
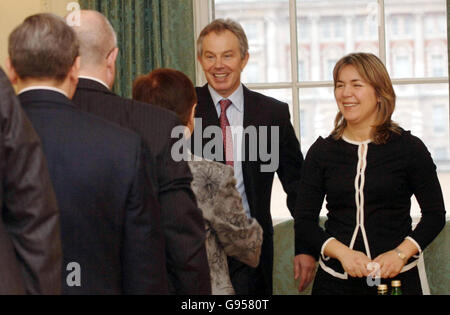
(110, 104)
(99, 128)
(262, 98)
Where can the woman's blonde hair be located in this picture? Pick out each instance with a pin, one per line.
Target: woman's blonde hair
(373, 71)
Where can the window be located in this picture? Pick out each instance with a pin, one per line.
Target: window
(440, 153)
(439, 119)
(409, 36)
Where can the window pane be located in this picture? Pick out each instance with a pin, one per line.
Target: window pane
(266, 24)
(283, 95)
(424, 109)
(328, 30)
(278, 208)
(416, 38)
(317, 112)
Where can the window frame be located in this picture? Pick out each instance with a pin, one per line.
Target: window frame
(204, 13)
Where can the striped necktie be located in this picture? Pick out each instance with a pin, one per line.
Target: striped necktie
(226, 131)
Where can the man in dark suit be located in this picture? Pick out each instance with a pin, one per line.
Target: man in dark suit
(111, 238)
(182, 221)
(30, 243)
(256, 121)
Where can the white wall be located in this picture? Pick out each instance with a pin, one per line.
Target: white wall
(13, 12)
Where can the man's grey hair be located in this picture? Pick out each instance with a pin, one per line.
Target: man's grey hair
(220, 25)
(97, 38)
(43, 46)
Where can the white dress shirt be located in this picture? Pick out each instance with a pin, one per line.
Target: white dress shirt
(42, 87)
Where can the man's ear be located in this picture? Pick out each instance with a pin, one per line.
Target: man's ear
(245, 60)
(112, 57)
(75, 69)
(111, 67)
(11, 72)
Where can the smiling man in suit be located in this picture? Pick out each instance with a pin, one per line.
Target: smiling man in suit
(222, 49)
(110, 229)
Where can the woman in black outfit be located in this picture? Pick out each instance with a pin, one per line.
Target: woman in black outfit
(368, 169)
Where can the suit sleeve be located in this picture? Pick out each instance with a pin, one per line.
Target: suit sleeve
(143, 257)
(183, 225)
(291, 159)
(30, 208)
(309, 236)
(425, 185)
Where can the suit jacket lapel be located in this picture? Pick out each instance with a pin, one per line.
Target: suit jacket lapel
(250, 119)
(208, 114)
(206, 108)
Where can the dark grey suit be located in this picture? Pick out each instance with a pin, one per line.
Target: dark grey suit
(30, 245)
(182, 220)
(259, 110)
(109, 215)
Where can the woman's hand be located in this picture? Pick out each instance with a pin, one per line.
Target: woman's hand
(390, 264)
(354, 263)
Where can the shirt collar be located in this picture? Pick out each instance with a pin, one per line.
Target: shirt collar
(94, 79)
(237, 98)
(42, 87)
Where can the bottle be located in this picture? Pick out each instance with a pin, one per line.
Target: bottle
(396, 287)
(382, 289)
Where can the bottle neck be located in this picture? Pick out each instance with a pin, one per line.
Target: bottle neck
(396, 291)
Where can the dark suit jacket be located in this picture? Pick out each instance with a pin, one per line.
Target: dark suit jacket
(260, 110)
(30, 244)
(109, 215)
(182, 220)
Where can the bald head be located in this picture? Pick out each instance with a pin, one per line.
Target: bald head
(97, 39)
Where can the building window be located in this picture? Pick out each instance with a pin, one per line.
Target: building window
(440, 119)
(303, 39)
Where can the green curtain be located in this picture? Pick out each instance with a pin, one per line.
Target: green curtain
(151, 34)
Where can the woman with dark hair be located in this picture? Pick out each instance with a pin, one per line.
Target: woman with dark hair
(228, 229)
(368, 169)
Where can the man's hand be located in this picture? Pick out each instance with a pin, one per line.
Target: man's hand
(304, 268)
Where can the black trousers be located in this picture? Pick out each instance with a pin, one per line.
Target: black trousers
(247, 280)
(326, 284)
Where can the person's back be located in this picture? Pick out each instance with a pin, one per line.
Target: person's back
(151, 123)
(229, 232)
(181, 219)
(228, 229)
(111, 238)
(92, 164)
(30, 244)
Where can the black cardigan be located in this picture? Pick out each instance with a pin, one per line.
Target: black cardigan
(394, 172)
